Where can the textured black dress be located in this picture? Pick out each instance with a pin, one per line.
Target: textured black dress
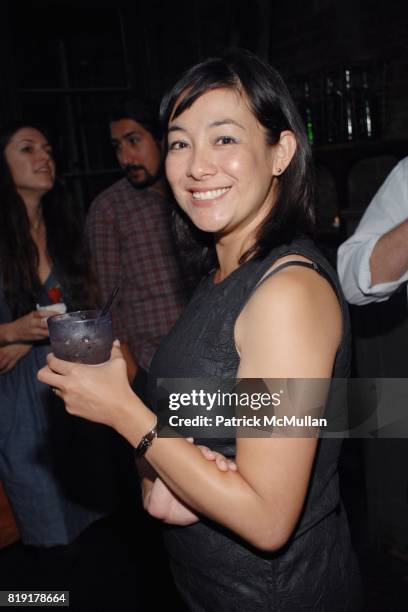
(214, 570)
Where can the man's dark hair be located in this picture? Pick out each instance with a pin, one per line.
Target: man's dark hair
(143, 110)
(272, 105)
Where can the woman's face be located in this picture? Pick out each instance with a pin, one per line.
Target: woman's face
(219, 164)
(29, 158)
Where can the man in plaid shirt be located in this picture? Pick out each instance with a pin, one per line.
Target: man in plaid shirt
(128, 229)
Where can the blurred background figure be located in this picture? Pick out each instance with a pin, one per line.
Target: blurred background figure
(373, 269)
(129, 233)
(373, 262)
(128, 227)
(57, 473)
(8, 528)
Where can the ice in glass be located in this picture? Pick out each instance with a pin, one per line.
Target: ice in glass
(83, 336)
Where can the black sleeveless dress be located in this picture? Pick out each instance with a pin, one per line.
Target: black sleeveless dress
(214, 570)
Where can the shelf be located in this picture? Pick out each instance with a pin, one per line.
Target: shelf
(354, 151)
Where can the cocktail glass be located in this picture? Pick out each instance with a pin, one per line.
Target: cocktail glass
(84, 336)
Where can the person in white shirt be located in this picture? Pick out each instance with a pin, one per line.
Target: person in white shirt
(373, 262)
(372, 265)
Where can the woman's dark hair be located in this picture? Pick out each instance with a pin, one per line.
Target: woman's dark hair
(273, 107)
(18, 252)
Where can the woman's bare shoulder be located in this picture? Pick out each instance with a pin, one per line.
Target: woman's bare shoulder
(293, 314)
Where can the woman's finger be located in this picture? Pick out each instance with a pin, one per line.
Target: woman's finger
(207, 452)
(221, 463)
(47, 376)
(232, 465)
(59, 365)
(116, 353)
(225, 464)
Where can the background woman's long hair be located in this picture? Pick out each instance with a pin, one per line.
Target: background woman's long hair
(19, 256)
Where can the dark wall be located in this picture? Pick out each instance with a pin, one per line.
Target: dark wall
(102, 49)
(314, 35)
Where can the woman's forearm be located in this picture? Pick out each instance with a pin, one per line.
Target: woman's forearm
(389, 259)
(6, 333)
(253, 501)
(225, 497)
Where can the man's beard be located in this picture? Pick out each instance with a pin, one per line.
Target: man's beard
(143, 178)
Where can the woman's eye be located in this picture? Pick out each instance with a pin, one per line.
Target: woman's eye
(177, 145)
(26, 149)
(225, 140)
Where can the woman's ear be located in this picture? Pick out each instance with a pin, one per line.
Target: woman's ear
(284, 151)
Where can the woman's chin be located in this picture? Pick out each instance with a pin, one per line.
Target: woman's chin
(211, 228)
(208, 223)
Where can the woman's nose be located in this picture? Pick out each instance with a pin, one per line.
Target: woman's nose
(45, 155)
(201, 165)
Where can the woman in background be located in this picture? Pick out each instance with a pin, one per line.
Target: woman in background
(42, 265)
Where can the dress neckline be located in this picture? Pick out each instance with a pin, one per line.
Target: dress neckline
(227, 278)
(46, 280)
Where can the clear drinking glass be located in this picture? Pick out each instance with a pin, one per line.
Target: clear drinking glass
(83, 336)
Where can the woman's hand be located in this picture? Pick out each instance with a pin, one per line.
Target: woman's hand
(223, 463)
(30, 327)
(161, 503)
(10, 354)
(93, 392)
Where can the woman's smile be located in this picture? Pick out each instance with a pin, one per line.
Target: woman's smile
(207, 197)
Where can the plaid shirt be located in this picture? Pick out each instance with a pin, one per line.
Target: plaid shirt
(130, 241)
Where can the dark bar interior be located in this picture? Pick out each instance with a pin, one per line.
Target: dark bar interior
(66, 64)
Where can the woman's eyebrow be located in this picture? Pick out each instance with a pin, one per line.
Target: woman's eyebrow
(217, 123)
(226, 121)
(175, 128)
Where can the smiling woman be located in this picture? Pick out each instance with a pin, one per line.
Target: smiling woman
(222, 171)
(270, 534)
(217, 169)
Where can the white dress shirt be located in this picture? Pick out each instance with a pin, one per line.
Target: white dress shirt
(387, 209)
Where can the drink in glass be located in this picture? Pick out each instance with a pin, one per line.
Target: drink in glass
(83, 336)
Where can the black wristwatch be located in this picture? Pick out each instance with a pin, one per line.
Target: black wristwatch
(146, 442)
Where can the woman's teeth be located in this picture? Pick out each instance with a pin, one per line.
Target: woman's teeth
(210, 195)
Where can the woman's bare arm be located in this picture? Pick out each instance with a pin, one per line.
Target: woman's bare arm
(159, 501)
(290, 328)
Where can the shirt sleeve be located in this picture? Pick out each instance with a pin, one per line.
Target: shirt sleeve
(105, 247)
(388, 209)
